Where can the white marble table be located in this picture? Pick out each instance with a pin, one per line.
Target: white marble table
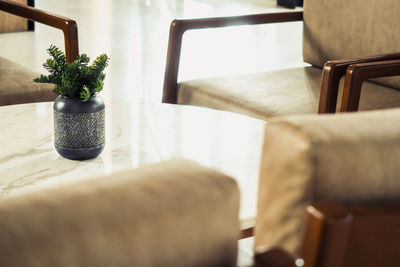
(136, 134)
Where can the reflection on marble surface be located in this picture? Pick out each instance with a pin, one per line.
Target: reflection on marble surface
(136, 134)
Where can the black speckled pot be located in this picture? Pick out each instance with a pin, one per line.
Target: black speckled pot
(79, 127)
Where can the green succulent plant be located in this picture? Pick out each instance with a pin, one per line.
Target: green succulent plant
(76, 79)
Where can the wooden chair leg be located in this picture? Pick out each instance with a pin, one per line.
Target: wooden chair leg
(326, 235)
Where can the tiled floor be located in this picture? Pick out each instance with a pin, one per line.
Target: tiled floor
(134, 33)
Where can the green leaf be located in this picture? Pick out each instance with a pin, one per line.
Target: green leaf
(85, 94)
(99, 86)
(42, 79)
(58, 55)
(84, 59)
(98, 66)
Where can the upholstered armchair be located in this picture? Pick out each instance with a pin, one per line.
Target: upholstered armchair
(350, 160)
(16, 85)
(336, 35)
(173, 213)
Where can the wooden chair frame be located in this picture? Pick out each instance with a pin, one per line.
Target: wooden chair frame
(328, 232)
(357, 74)
(68, 26)
(333, 70)
(332, 73)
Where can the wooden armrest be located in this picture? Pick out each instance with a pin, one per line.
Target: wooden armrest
(68, 26)
(356, 74)
(326, 234)
(338, 235)
(275, 257)
(333, 229)
(324, 240)
(180, 26)
(333, 72)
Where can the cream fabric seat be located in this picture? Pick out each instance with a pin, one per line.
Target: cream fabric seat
(348, 158)
(17, 86)
(264, 95)
(173, 213)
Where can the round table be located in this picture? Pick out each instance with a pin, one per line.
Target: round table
(136, 134)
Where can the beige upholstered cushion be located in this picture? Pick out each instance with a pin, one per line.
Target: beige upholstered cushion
(264, 95)
(345, 29)
(12, 23)
(175, 213)
(17, 87)
(346, 158)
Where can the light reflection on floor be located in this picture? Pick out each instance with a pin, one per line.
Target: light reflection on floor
(134, 33)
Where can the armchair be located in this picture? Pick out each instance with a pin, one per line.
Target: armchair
(349, 160)
(335, 36)
(173, 213)
(16, 85)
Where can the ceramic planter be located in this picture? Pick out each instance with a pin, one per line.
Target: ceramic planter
(79, 127)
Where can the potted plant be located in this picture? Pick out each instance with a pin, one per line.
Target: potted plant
(79, 111)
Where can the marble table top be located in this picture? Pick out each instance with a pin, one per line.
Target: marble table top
(136, 134)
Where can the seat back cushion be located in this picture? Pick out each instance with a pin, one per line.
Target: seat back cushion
(343, 29)
(17, 86)
(346, 158)
(174, 213)
(12, 23)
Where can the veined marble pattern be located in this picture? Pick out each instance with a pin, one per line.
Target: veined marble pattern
(136, 134)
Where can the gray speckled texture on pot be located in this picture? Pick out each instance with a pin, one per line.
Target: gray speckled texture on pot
(79, 131)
